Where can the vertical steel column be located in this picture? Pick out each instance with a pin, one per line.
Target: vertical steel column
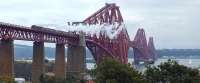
(6, 58)
(60, 63)
(76, 60)
(38, 61)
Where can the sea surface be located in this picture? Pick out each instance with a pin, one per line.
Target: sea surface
(191, 62)
(194, 63)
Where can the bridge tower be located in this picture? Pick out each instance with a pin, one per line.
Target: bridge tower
(140, 47)
(152, 49)
(116, 48)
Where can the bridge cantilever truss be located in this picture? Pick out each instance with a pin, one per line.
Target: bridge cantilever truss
(118, 47)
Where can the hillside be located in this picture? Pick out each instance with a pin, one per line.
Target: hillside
(23, 51)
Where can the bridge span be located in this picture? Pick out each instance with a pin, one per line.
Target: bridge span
(100, 47)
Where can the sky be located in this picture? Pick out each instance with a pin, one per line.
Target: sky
(172, 23)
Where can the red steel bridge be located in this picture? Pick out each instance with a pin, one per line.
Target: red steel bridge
(99, 47)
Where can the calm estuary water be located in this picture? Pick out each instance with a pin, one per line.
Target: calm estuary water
(194, 63)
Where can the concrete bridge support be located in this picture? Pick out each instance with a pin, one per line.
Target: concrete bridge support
(6, 58)
(60, 73)
(76, 56)
(38, 61)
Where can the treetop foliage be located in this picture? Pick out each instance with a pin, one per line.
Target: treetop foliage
(172, 72)
(112, 71)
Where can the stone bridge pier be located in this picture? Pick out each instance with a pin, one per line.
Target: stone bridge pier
(76, 64)
(38, 62)
(6, 58)
(38, 65)
(60, 66)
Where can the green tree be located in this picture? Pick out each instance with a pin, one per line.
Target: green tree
(112, 71)
(47, 79)
(7, 80)
(171, 72)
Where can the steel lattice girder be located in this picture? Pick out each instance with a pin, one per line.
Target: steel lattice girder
(16, 32)
(117, 47)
